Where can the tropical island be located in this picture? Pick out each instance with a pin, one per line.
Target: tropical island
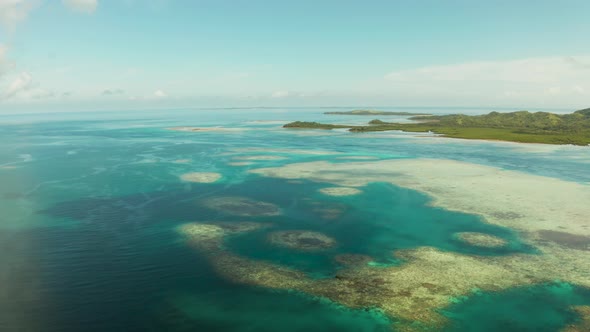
(521, 126)
(375, 112)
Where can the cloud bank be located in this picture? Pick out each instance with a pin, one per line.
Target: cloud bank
(84, 6)
(544, 79)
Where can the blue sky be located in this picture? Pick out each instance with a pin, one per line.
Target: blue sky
(127, 54)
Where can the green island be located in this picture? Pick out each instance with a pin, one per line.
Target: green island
(521, 126)
(375, 112)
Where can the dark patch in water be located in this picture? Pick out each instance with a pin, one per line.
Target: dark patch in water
(507, 215)
(572, 241)
(383, 219)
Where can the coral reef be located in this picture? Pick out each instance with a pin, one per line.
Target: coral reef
(507, 198)
(549, 214)
(352, 259)
(568, 240)
(201, 177)
(301, 240)
(583, 325)
(340, 191)
(240, 163)
(210, 236)
(241, 206)
(326, 210)
(357, 158)
(413, 292)
(285, 150)
(480, 239)
(259, 158)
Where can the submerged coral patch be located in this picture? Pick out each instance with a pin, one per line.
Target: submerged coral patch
(201, 177)
(583, 323)
(568, 240)
(260, 158)
(358, 158)
(340, 191)
(207, 129)
(240, 163)
(241, 206)
(301, 240)
(480, 239)
(210, 236)
(201, 231)
(352, 259)
(327, 210)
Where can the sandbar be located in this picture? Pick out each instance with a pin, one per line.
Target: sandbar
(358, 158)
(206, 129)
(286, 150)
(340, 191)
(259, 158)
(201, 177)
(240, 163)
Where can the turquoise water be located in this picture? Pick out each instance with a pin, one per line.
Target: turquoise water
(541, 308)
(90, 203)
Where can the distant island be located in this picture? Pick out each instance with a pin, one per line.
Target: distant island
(374, 112)
(521, 126)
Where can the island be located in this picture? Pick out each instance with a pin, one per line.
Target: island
(375, 112)
(521, 126)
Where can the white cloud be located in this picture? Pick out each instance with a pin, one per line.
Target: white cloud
(533, 70)
(14, 11)
(21, 83)
(23, 88)
(280, 94)
(160, 94)
(84, 6)
(556, 81)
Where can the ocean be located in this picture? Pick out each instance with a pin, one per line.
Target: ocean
(92, 204)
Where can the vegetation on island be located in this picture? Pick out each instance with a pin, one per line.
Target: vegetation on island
(521, 126)
(375, 112)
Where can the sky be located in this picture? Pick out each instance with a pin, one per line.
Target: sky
(83, 55)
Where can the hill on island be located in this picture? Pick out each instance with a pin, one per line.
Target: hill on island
(521, 126)
(578, 121)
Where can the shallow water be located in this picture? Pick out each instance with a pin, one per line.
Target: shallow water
(90, 206)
